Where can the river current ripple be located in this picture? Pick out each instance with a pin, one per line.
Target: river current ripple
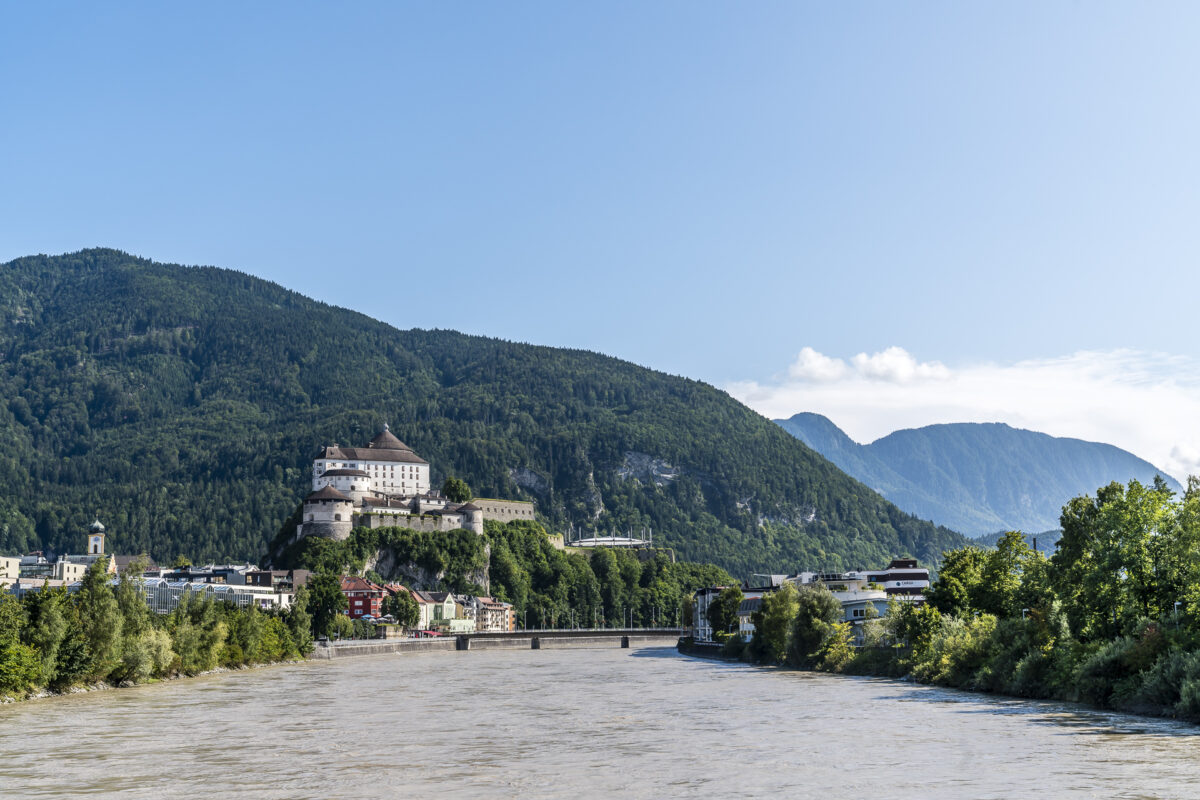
(578, 724)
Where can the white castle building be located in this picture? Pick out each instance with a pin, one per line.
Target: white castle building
(386, 484)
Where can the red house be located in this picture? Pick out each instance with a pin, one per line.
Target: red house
(362, 597)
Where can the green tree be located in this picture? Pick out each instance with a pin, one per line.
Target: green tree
(913, 626)
(1177, 559)
(837, 650)
(47, 627)
(403, 607)
(101, 619)
(956, 590)
(456, 490)
(198, 633)
(246, 629)
(131, 600)
(142, 656)
(20, 664)
(299, 622)
(773, 624)
(817, 612)
(72, 660)
(999, 589)
(341, 627)
(325, 601)
(723, 610)
(1106, 569)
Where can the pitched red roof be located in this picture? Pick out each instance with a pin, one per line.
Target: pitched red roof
(354, 583)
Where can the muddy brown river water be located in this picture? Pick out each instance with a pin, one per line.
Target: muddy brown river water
(576, 724)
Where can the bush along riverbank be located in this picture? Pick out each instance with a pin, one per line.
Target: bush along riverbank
(1112, 619)
(51, 641)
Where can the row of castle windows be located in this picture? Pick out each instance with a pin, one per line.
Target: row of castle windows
(376, 467)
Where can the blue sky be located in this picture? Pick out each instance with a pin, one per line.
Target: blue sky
(702, 188)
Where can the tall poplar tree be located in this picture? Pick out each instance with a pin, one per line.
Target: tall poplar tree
(100, 617)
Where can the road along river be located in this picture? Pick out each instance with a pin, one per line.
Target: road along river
(578, 724)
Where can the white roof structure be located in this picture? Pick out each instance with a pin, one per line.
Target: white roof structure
(609, 541)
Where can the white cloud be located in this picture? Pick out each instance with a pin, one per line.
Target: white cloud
(1146, 403)
(813, 366)
(895, 364)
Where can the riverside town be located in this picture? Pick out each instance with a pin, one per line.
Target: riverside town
(358, 493)
(593, 400)
(375, 560)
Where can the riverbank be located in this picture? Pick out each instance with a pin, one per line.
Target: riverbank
(104, 686)
(862, 669)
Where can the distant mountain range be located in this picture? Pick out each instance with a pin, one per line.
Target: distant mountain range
(976, 478)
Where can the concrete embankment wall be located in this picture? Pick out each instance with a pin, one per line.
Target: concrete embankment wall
(549, 643)
(653, 641)
(713, 651)
(453, 643)
(374, 648)
(500, 644)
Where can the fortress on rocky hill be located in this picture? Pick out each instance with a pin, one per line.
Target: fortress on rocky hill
(386, 484)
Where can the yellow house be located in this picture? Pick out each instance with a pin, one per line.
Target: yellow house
(10, 570)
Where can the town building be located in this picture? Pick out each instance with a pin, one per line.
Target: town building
(164, 596)
(386, 484)
(488, 614)
(23, 586)
(10, 570)
(286, 581)
(861, 600)
(440, 612)
(863, 594)
(363, 598)
(746, 611)
(751, 601)
(122, 563)
(701, 627)
(233, 574)
(70, 568)
(902, 580)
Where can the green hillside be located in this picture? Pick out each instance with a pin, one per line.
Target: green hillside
(183, 406)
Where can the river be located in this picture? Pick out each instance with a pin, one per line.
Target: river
(576, 724)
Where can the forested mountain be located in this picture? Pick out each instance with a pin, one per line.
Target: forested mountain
(976, 478)
(1041, 541)
(183, 406)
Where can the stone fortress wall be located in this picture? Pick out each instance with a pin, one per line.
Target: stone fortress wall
(505, 510)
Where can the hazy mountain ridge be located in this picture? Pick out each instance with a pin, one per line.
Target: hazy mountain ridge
(1042, 541)
(977, 478)
(183, 405)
